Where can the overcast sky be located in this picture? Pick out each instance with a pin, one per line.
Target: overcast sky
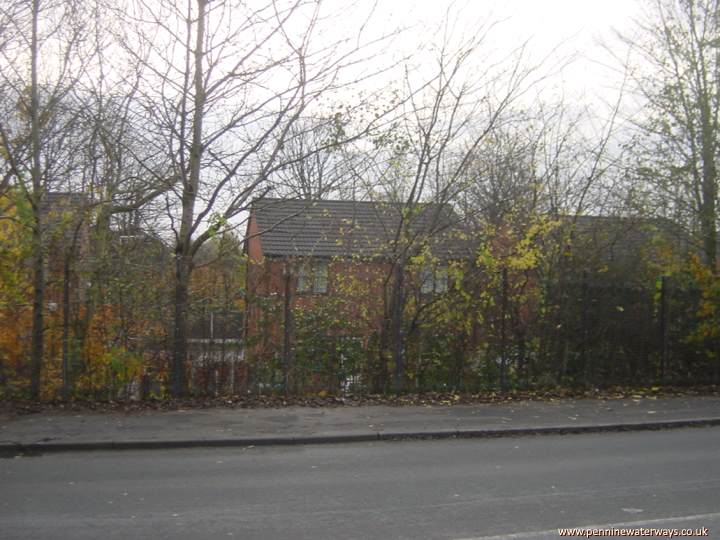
(573, 27)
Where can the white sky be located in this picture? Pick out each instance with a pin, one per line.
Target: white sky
(573, 27)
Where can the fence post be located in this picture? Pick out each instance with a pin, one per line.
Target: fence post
(287, 328)
(663, 328)
(503, 333)
(585, 291)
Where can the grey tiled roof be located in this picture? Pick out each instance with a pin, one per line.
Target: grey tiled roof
(324, 228)
(62, 210)
(625, 237)
(623, 247)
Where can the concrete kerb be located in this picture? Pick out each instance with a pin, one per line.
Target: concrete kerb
(16, 449)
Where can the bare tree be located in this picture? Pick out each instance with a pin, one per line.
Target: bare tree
(41, 63)
(124, 166)
(676, 144)
(315, 160)
(426, 157)
(223, 85)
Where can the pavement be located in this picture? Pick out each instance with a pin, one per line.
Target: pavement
(73, 431)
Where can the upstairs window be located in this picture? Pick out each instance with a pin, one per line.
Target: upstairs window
(427, 282)
(313, 277)
(441, 279)
(303, 282)
(320, 277)
(433, 280)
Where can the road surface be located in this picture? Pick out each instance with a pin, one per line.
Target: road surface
(450, 489)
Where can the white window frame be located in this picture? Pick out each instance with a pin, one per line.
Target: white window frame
(441, 279)
(313, 277)
(433, 280)
(320, 277)
(427, 281)
(304, 279)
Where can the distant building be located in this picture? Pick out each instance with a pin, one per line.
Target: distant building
(303, 251)
(66, 223)
(620, 250)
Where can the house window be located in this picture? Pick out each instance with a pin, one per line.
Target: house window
(441, 280)
(320, 277)
(433, 280)
(313, 277)
(426, 280)
(303, 283)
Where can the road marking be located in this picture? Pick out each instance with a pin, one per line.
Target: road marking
(625, 525)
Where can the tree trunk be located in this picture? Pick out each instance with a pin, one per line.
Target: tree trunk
(185, 248)
(457, 378)
(38, 258)
(99, 272)
(708, 211)
(397, 309)
(287, 331)
(381, 373)
(38, 323)
(69, 256)
(183, 268)
(66, 329)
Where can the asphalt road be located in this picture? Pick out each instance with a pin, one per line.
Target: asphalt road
(523, 487)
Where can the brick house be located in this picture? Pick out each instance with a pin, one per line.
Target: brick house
(623, 251)
(66, 228)
(306, 255)
(594, 296)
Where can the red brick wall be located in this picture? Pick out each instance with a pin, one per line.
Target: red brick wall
(354, 287)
